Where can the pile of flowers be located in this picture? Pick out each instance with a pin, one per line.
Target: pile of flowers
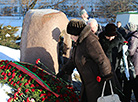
(33, 84)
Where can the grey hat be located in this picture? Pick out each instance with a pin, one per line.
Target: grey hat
(131, 27)
(83, 11)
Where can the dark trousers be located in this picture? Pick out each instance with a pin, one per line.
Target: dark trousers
(128, 87)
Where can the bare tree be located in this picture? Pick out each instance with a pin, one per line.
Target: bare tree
(26, 5)
(61, 5)
(109, 8)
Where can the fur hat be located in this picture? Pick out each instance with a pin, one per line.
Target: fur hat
(131, 27)
(110, 30)
(75, 27)
(83, 11)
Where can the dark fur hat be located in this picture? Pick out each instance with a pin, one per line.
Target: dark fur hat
(75, 27)
(110, 30)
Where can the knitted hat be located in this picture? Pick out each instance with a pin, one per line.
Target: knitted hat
(83, 11)
(75, 27)
(110, 30)
(131, 27)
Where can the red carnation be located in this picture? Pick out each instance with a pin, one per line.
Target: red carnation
(40, 89)
(2, 73)
(20, 75)
(6, 66)
(10, 99)
(12, 82)
(19, 89)
(26, 90)
(25, 84)
(125, 42)
(28, 100)
(5, 78)
(21, 94)
(43, 94)
(10, 67)
(18, 82)
(29, 81)
(15, 97)
(32, 85)
(22, 79)
(2, 67)
(9, 73)
(13, 75)
(15, 94)
(98, 78)
(38, 60)
(10, 79)
(13, 70)
(43, 99)
(32, 90)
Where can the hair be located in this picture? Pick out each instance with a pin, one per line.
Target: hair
(92, 20)
(118, 21)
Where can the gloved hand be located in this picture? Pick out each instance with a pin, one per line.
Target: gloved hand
(107, 77)
(60, 74)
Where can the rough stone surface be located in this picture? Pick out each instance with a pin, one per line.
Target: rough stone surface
(40, 35)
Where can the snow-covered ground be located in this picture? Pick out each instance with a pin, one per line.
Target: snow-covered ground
(7, 53)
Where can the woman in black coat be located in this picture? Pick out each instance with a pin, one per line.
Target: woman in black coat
(112, 42)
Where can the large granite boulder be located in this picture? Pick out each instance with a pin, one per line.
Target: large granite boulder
(40, 35)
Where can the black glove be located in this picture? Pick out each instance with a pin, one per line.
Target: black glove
(107, 77)
(60, 74)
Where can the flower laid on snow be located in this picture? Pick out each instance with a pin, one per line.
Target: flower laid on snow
(31, 87)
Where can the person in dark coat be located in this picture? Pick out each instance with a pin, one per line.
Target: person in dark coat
(112, 42)
(121, 29)
(89, 59)
(133, 52)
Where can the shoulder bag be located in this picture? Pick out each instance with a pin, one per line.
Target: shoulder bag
(109, 98)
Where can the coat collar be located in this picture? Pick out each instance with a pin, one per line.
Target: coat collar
(85, 32)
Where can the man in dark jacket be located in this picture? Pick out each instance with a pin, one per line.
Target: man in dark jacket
(121, 29)
(89, 59)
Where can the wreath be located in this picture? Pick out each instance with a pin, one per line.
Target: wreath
(33, 84)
